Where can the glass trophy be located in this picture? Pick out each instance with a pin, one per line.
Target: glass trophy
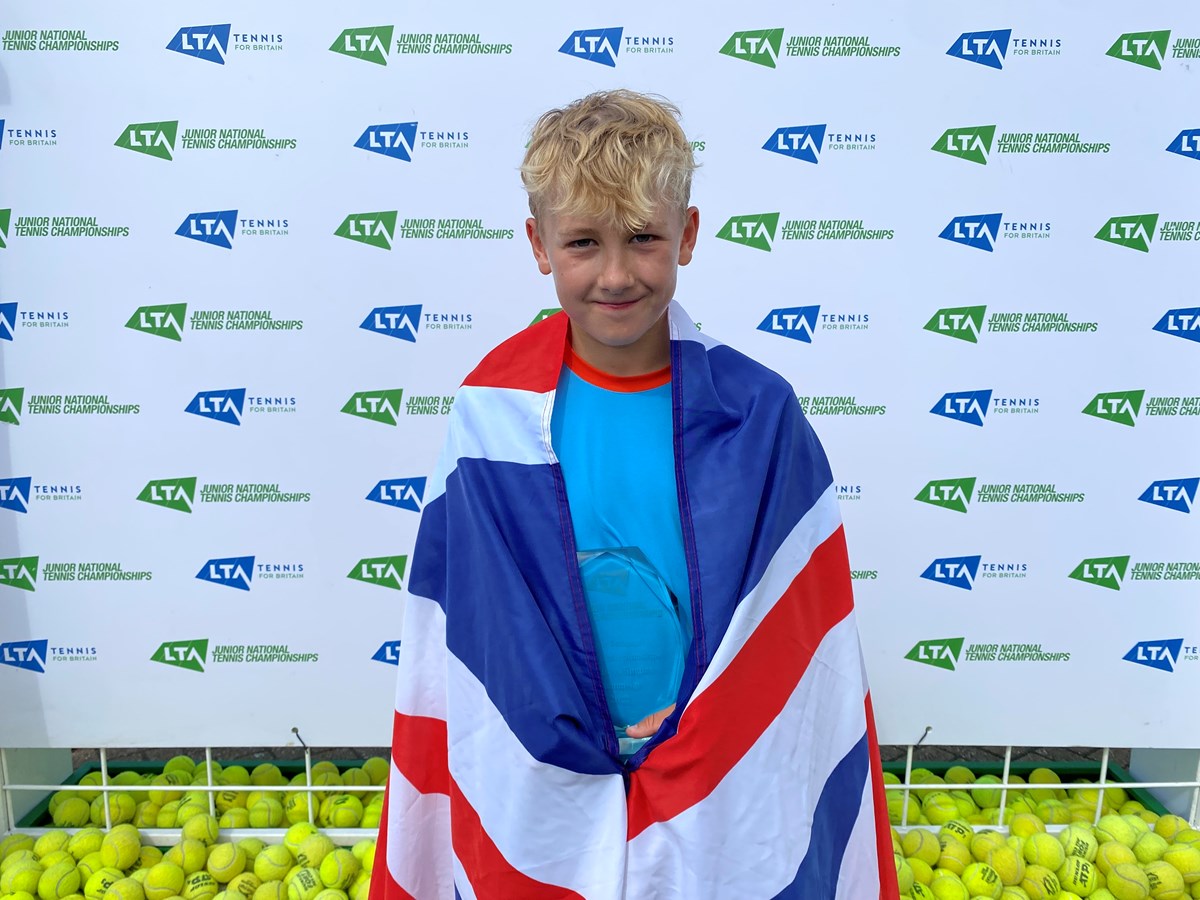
(640, 639)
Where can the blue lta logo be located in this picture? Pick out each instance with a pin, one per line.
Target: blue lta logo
(214, 228)
(207, 42)
(795, 322)
(987, 48)
(388, 652)
(954, 571)
(964, 406)
(977, 231)
(1161, 655)
(801, 142)
(232, 571)
(223, 406)
(598, 45)
(399, 322)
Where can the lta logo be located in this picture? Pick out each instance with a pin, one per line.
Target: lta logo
(28, 655)
(759, 47)
(367, 44)
(941, 654)
(1102, 571)
(165, 321)
(191, 655)
(207, 42)
(1134, 232)
(19, 572)
(954, 571)
(757, 231)
(223, 406)
(949, 493)
(796, 322)
(173, 493)
(987, 48)
(1186, 143)
(399, 322)
(977, 231)
(155, 139)
(598, 45)
(402, 493)
(801, 142)
(964, 406)
(376, 406)
(375, 229)
(383, 571)
(388, 652)
(1161, 655)
(1142, 48)
(1121, 407)
(395, 140)
(1178, 494)
(972, 144)
(14, 493)
(233, 571)
(214, 228)
(1182, 323)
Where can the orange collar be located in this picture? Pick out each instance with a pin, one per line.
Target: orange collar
(626, 384)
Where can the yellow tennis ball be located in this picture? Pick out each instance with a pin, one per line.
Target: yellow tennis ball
(1040, 883)
(22, 876)
(1044, 850)
(354, 778)
(1078, 840)
(1044, 776)
(1186, 860)
(314, 849)
(339, 868)
(18, 857)
(1008, 863)
(71, 813)
(922, 871)
(331, 894)
(147, 857)
(921, 844)
(377, 768)
(1113, 853)
(1013, 893)
(267, 774)
(62, 879)
(89, 866)
(919, 892)
(189, 808)
(1169, 826)
(121, 846)
(1115, 828)
(270, 890)
(273, 862)
(371, 816)
(182, 763)
(146, 814)
(295, 807)
(297, 835)
(251, 847)
(305, 884)
(245, 884)
(266, 813)
(1078, 875)
(163, 880)
(984, 842)
(900, 811)
(981, 880)
(225, 862)
(1127, 881)
(190, 855)
(1150, 847)
(324, 766)
(56, 857)
(368, 857)
(1139, 825)
(345, 811)
(50, 842)
(203, 828)
(15, 842)
(86, 783)
(1025, 824)
(229, 799)
(199, 886)
(955, 857)
(1165, 881)
(125, 889)
(167, 815)
(234, 817)
(1053, 812)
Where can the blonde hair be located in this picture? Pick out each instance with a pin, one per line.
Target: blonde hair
(613, 155)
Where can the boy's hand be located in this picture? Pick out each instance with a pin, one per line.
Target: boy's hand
(649, 725)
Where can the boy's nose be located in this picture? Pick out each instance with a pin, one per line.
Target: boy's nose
(617, 275)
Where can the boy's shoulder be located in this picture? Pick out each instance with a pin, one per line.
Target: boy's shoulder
(740, 379)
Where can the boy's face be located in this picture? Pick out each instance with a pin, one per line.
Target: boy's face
(616, 286)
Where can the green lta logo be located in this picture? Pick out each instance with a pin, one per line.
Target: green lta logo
(1143, 48)
(1102, 571)
(1134, 232)
(5, 217)
(757, 231)
(376, 406)
(961, 322)
(165, 321)
(948, 493)
(941, 654)
(191, 655)
(155, 139)
(376, 229)
(172, 493)
(759, 47)
(384, 571)
(1121, 407)
(19, 572)
(11, 402)
(368, 44)
(972, 144)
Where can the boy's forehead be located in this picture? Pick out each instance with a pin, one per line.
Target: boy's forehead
(660, 217)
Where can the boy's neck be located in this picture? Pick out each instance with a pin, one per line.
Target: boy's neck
(650, 353)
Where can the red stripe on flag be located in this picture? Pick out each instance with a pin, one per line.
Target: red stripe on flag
(530, 360)
(419, 752)
(492, 876)
(383, 885)
(725, 721)
(889, 885)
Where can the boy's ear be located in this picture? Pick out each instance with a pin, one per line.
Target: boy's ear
(539, 248)
(691, 230)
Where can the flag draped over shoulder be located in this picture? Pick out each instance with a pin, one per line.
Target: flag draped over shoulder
(505, 782)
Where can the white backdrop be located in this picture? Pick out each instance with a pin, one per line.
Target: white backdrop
(838, 246)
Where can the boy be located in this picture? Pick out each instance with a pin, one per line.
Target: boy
(616, 427)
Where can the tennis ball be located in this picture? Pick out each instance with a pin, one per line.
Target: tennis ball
(1044, 776)
(919, 892)
(339, 868)
(345, 811)
(251, 847)
(297, 835)
(163, 880)
(97, 886)
(199, 886)
(1044, 850)
(190, 855)
(86, 783)
(1186, 860)
(955, 857)
(71, 813)
(981, 880)
(273, 862)
(305, 884)
(901, 812)
(23, 876)
(957, 830)
(245, 884)
(229, 799)
(1053, 812)
(295, 807)
(1113, 853)
(89, 866)
(1025, 824)
(377, 768)
(354, 778)
(267, 774)
(1165, 881)
(225, 862)
(1078, 840)
(270, 890)
(919, 843)
(1139, 825)
(959, 775)
(234, 817)
(15, 842)
(371, 816)
(1115, 828)
(62, 879)
(49, 842)
(203, 828)
(1127, 881)
(1040, 883)
(922, 871)
(125, 889)
(165, 788)
(331, 894)
(324, 766)
(1008, 863)
(984, 842)
(1078, 875)
(236, 774)
(17, 858)
(121, 846)
(1167, 826)
(266, 813)
(190, 809)
(1150, 847)
(314, 849)
(56, 856)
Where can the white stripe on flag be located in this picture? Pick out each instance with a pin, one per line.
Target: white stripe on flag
(749, 836)
(421, 660)
(860, 866)
(465, 891)
(500, 424)
(822, 520)
(684, 329)
(554, 825)
(418, 840)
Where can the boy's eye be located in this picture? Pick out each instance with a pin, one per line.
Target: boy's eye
(642, 238)
(580, 242)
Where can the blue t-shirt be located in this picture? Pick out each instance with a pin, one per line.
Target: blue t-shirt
(617, 453)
